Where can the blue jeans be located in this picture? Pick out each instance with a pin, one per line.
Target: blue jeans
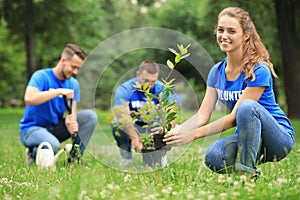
(260, 138)
(32, 137)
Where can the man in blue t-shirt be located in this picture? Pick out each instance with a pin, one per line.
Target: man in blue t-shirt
(128, 99)
(43, 120)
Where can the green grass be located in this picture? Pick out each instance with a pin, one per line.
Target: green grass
(186, 178)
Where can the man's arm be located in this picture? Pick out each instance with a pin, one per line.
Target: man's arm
(125, 121)
(35, 97)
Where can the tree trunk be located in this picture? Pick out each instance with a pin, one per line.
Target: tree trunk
(286, 22)
(29, 38)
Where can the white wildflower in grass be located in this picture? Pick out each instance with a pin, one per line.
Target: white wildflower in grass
(19, 196)
(236, 184)
(221, 178)
(150, 197)
(104, 194)
(127, 178)
(26, 184)
(250, 190)
(167, 190)
(278, 194)
(190, 196)
(270, 185)
(250, 187)
(202, 193)
(82, 195)
(117, 188)
(243, 178)
(236, 194)
(4, 180)
(211, 197)
(223, 196)
(113, 187)
(229, 180)
(281, 181)
(110, 186)
(164, 191)
(191, 193)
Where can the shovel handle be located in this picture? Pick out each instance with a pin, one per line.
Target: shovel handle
(68, 105)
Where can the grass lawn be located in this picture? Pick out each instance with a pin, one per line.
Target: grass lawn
(99, 177)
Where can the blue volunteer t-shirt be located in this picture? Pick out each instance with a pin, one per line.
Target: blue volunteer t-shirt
(51, 112)
(230, 91)
(126, 93)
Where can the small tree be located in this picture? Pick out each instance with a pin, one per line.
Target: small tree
(166, 111)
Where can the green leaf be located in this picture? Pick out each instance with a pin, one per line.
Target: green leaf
(186, 55)
(171, 115)
(181, 49)
(169, 126)
(137, 85)
(152, 96)
(165, 103)
(170, 64)
(173, 51)
(177, 58)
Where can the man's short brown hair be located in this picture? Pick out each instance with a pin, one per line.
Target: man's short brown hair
(150, 66)
(73, 49)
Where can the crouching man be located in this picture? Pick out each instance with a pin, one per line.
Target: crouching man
(128, 99)
(44, 120)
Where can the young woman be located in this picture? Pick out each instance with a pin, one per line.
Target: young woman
(243, 82)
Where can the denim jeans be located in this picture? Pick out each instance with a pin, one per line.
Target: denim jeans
(33, 136)
(260, 138)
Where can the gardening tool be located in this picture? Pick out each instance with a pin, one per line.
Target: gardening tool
(75, 152)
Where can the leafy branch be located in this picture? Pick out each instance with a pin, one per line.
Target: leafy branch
(178, 57)
(165, 112)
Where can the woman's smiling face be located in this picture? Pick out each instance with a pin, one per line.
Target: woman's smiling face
(230, 35)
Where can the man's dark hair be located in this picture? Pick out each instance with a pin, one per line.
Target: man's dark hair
(150, 66)
(73, 49)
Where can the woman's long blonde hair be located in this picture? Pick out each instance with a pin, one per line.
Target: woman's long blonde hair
(254, 51)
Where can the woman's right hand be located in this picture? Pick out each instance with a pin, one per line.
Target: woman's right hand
(175, 137)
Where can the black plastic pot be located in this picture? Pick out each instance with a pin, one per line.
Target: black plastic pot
(158, 141)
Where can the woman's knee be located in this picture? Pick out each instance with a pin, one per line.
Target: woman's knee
(220, 156)
(245, 108)
(246, 105)
(211, 159)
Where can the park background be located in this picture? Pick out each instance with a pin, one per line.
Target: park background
(32, 36)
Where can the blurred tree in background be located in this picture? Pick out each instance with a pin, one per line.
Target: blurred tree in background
(12, 69)
(33, 33)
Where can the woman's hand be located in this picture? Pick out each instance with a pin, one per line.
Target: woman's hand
(176, 138)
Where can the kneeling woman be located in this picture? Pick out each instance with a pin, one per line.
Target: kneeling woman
(243, 82)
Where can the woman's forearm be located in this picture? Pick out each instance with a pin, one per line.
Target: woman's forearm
(216, 126)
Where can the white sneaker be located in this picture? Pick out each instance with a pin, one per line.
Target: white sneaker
(125, 162)
(164, 161)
